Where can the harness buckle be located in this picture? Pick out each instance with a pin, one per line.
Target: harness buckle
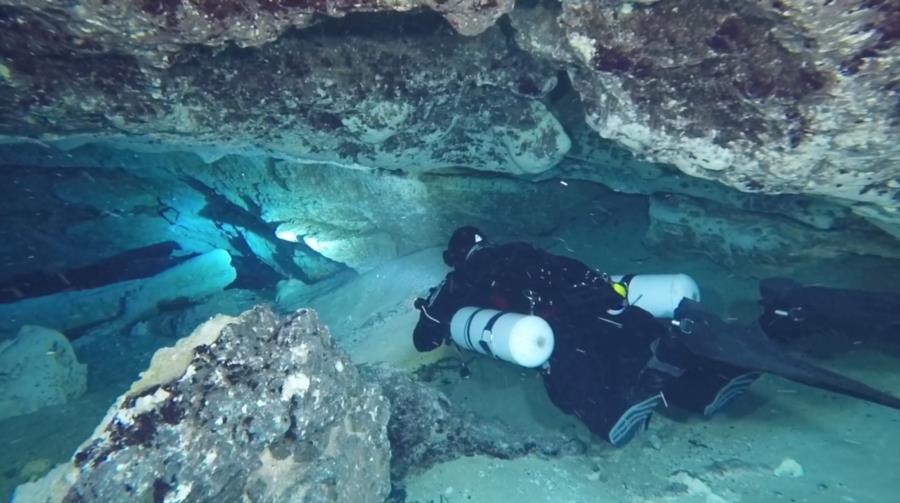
(685, 326)
(795, 314)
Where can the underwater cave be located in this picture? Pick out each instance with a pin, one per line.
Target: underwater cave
(465, 250)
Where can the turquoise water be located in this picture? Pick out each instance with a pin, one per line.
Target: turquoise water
(326, 168)
(732, 456)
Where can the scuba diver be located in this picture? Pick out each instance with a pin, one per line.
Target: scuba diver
(603, 355)
(794, 311)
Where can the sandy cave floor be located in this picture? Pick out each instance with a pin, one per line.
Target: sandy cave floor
(849, 450)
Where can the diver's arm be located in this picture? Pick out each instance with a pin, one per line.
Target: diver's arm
(429, 335)
(435, 313)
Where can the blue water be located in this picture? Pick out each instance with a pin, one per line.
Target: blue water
(117, 245)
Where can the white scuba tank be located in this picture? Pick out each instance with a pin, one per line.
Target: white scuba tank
(523, 339)
(659, 294)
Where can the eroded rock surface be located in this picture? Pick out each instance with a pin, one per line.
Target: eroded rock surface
(269, 409)
(153, 30)
(731, 237)
(765, 97)
(768, 97)
(403, 94)
(426, 428)
(38, 368)
(247, 408)
(762, 96)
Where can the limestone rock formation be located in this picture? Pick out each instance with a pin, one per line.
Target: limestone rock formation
(245, 408)
(404, 94)
(774, 97)
(426, 428)
(271, 409)
(729, 236)
(38, 368)
(760, 96)
(153, 31)
(766, 97)
(677, 96)
(619, 169)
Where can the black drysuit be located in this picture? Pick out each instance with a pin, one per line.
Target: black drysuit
(610, 365)
(598, 368)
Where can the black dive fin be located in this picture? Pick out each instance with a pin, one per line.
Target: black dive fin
(707, 336)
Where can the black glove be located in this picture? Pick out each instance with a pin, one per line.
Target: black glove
(429, 335)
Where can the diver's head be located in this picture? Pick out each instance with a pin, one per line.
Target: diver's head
(461, 243)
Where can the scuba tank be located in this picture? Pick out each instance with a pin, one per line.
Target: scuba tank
(658, 294)
(522, 339)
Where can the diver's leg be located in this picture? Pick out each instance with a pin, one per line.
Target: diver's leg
(580, 388)
(708, 387)
(612, 417)
(632, 421)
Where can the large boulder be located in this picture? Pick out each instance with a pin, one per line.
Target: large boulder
(38, 368)
(249, 408)
(267, 409)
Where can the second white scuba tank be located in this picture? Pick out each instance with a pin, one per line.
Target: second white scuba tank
(658, 294)
(522, 339)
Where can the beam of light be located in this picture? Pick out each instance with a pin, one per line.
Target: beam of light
(286, 235)
(315, 243)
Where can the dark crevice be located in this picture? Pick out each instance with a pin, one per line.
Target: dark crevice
(133, 264)
(565, 104)
(415, 23)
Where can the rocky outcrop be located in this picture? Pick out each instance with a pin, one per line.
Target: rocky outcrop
(401, 94)
(426, 428)
(245, 408)
(767, 97)
(676, 96)
(153, 31)
(608, 163)
(38, 368)
(270, 409)
(732, 237)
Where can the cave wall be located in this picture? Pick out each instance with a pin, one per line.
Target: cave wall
(769, 97)
(773, 97)
(403, 93)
